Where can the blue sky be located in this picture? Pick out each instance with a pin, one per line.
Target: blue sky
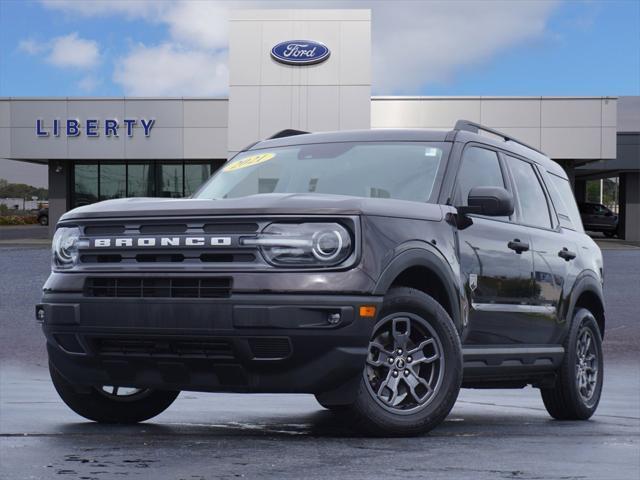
(115, 48)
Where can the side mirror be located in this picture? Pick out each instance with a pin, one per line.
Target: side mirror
(489, 201)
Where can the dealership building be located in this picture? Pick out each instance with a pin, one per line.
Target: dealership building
(307, 70)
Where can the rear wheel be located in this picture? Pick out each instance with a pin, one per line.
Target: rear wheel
(112, 404)
(577, 390)
(413, 370)
(609, 233)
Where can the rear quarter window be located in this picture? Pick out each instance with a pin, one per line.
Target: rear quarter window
(564, 202)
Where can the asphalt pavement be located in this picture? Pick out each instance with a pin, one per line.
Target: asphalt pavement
(490, 433)
(23, 234)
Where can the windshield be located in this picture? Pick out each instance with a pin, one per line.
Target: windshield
(400, 170)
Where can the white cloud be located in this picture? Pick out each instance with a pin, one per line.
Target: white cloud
(73, 51)
(418, 43)
(65, 51)
(415, 43)
(202, 24)
(168, 70)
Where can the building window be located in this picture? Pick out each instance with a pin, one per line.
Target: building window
(113, 180)
(85, 185)
(171, 178)
(195, 174)
(104, 180)
(141, 179)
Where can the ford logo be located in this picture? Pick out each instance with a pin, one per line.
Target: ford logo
(300, 52)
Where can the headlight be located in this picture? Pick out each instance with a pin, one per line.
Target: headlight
(64, 247)
(303, 244)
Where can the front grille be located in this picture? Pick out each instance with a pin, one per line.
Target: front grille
(158, 287)
(219, 349)
(169, 247)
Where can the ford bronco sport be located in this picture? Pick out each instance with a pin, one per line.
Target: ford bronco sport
(379, 270)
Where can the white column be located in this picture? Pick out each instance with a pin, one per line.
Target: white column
(266, 96)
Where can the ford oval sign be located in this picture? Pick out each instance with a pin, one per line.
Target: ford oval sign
(300, 52)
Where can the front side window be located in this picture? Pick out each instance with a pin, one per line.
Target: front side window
(480, 168)
(533, 202)
(399, 170)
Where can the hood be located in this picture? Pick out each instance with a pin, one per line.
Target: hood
(257, 205)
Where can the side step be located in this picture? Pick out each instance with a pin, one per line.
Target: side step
(492, 362)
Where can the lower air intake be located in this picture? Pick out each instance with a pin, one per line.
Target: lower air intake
(270, 348)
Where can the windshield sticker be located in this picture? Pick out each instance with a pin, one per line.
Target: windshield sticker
(248, 162)
(431, 152)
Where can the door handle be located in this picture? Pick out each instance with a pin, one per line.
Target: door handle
(566, 254)
(518, 246)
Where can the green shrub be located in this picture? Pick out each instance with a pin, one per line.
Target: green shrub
(18, 220)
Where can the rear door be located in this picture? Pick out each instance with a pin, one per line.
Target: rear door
(551, 249)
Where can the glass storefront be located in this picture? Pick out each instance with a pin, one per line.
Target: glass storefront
(113, 180)
(104, 180)
(85, 185)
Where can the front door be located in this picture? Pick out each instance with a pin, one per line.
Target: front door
(497, 267)
(495, 258)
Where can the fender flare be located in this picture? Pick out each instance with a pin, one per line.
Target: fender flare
(587, 281)
(418, 256)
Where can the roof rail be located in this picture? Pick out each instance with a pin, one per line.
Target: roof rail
(289, 132)
(469, 126)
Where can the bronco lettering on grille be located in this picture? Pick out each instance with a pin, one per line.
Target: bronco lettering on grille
(129, 242)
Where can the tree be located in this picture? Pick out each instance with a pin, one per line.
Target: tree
(21, 190)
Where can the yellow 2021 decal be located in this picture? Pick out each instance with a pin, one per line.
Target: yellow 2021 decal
(248, 161)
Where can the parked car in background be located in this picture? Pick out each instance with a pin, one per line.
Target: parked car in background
(598, 218)
(43, 217)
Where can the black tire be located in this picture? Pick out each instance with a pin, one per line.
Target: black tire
(373, 412)
(43, 220)
(567, 399)
(102, 407)
(609, 233)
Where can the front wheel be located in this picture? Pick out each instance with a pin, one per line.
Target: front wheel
(112, 404)
(413, 369)
(610, 233)
(577, 390)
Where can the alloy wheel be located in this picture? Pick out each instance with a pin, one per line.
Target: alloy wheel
(405, 363)
(586, 365)
(122, 393)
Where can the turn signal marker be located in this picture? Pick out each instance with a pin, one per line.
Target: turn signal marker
(368, 311)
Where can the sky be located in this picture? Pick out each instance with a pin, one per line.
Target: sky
(458, 47)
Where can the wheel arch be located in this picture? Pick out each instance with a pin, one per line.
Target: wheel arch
(588, 294)
(428, 272)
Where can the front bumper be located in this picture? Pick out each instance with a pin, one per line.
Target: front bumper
(244, 343)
